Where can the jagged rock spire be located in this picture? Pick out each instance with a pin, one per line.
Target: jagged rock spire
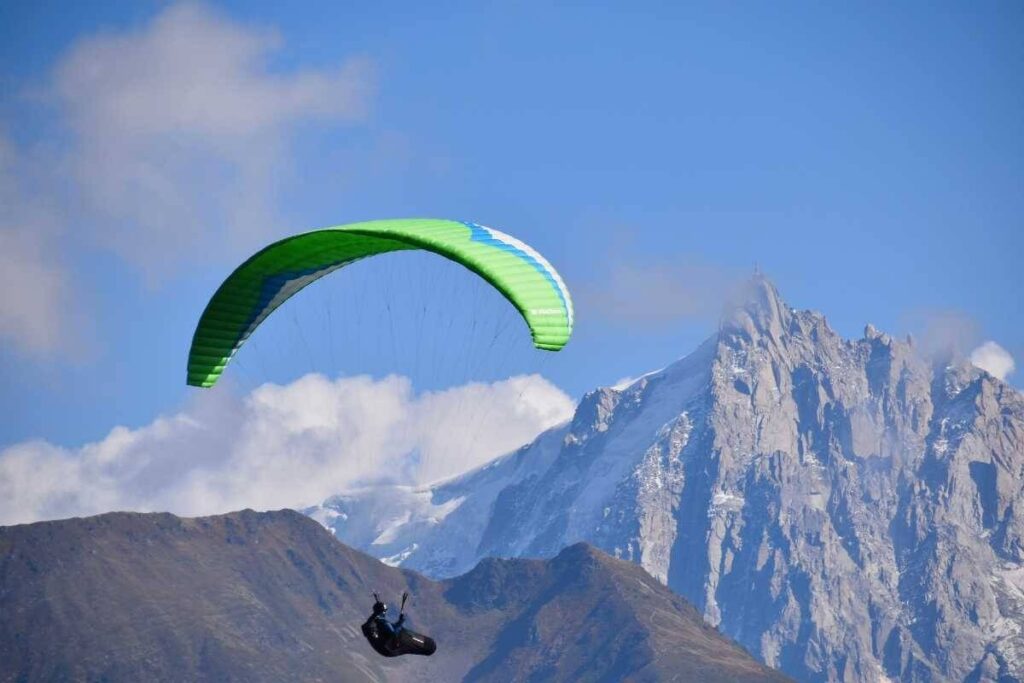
(756, 309)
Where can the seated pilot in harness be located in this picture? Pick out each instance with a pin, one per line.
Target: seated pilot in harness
(392, 639)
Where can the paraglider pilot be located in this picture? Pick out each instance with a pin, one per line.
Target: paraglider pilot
(392, 639)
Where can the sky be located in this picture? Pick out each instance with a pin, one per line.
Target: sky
(869, 159)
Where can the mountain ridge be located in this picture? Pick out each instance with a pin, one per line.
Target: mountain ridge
(273, 596)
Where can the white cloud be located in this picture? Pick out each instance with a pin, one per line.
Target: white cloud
(35, 290)
(279, 446)
(180, 135)
(182, 131)
(943, 333)
(658, 291)
(36, 296)
(993, 359)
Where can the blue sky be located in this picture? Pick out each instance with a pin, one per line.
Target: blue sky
(869, 158)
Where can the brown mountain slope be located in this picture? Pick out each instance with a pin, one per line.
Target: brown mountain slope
(585, 616)
(274, 597)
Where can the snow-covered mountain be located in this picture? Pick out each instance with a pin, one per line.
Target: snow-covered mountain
(846, 510)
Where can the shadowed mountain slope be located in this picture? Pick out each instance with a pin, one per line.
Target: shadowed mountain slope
(273, 596)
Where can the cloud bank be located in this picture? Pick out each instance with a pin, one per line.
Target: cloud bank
(169, 142)
(182, 129)
(279, 446)
(658, 291)
(993, 359)
(35, 285)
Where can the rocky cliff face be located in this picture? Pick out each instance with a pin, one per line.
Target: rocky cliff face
(273, 597)
(845, 509)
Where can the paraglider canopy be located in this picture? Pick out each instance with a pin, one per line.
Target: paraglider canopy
(273, 275)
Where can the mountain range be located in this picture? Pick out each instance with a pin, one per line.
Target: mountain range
(274, 597)
(846, 509)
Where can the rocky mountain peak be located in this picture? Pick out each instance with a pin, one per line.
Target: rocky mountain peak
(757, 309)
(594, 412)
(846, 509)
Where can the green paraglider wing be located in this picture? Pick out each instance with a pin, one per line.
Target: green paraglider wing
(273, 275)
